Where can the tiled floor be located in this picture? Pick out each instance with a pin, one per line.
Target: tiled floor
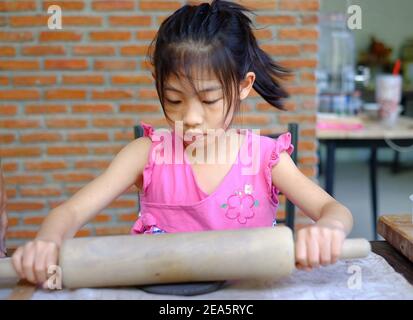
(352, 189)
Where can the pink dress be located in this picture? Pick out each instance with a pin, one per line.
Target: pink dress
(172, 201)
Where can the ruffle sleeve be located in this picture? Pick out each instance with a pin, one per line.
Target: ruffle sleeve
(278, 145)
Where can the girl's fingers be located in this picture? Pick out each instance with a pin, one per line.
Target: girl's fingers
(313, 249)
(336, 246)
(325, 248)
(40, 266)
(301, 251)
(16, 260)
(28, 262)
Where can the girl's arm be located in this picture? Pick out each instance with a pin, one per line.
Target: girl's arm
(321, 242)
(31, 261)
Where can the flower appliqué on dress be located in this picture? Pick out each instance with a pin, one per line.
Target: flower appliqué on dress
(240, 205)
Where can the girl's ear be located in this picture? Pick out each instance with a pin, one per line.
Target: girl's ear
(246, 85)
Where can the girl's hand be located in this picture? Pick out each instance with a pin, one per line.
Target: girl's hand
(32, 260)
(318, 245)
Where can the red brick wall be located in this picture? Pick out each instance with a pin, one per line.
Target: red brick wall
(69, 98)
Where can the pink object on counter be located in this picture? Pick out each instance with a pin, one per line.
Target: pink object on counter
(339, 126)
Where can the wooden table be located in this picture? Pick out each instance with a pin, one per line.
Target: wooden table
(373, 136)
(400, 264)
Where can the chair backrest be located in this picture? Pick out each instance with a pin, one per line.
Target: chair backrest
(289, 206)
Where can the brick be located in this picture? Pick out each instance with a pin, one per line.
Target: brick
(159, 5)
(108, 150)
(130, 20)
(102, 218)
(19, 124)
(124, 136)
(9, 6)
(4, 80)
(11, 36)
(299, 5)
(252, 120)
(40, 137)
(7, 138)
(8, 109)
(299, 63)
(7, 51)
(92, 164)
(26, 179)
(139, 108)
(82, 50)
(146, 34)
(20, 234)
(304, 90)
(114, 65)
(65, 94)
(28, 21)
(42, 50)
(67, 123)
(83, 233)
(112, 94)
(66, 64)
(66, 5)
(128, 217)
(40, 192)
(92, 108)
(131, 79)
(263, 34)
(300, 118)
(113, 5)
(84, 21)
(19, 152)
(298, 34)
(12, 221)
(281, 49)
(134, 50)
(44, 165)
(62, 150)
(308, 132)
(36, 220)
(309, 47)
(73, 177)
(19, 65)
(147, 94)
(257, 5)
(110, 35)
(83, 79)
(308, 160)
(88, 136)
(38, 80)
(104, 122)
(309, 19)
(279, 19)
(308, 76)
(307, 146)
(11, 193)
(45, 108)
(46, 36)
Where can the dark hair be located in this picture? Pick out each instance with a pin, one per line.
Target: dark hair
(216, 38)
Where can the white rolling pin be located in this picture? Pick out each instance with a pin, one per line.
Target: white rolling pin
(256, 253)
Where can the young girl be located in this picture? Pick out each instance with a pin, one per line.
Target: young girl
(206, 60)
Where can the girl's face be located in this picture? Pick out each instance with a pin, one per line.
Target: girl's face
(197, 115)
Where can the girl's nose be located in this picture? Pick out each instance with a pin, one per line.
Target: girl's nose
(193, 116)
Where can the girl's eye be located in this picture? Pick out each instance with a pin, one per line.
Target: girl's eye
(211, 102)
(173, 102)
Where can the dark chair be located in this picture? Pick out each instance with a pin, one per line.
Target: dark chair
(289, 206)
